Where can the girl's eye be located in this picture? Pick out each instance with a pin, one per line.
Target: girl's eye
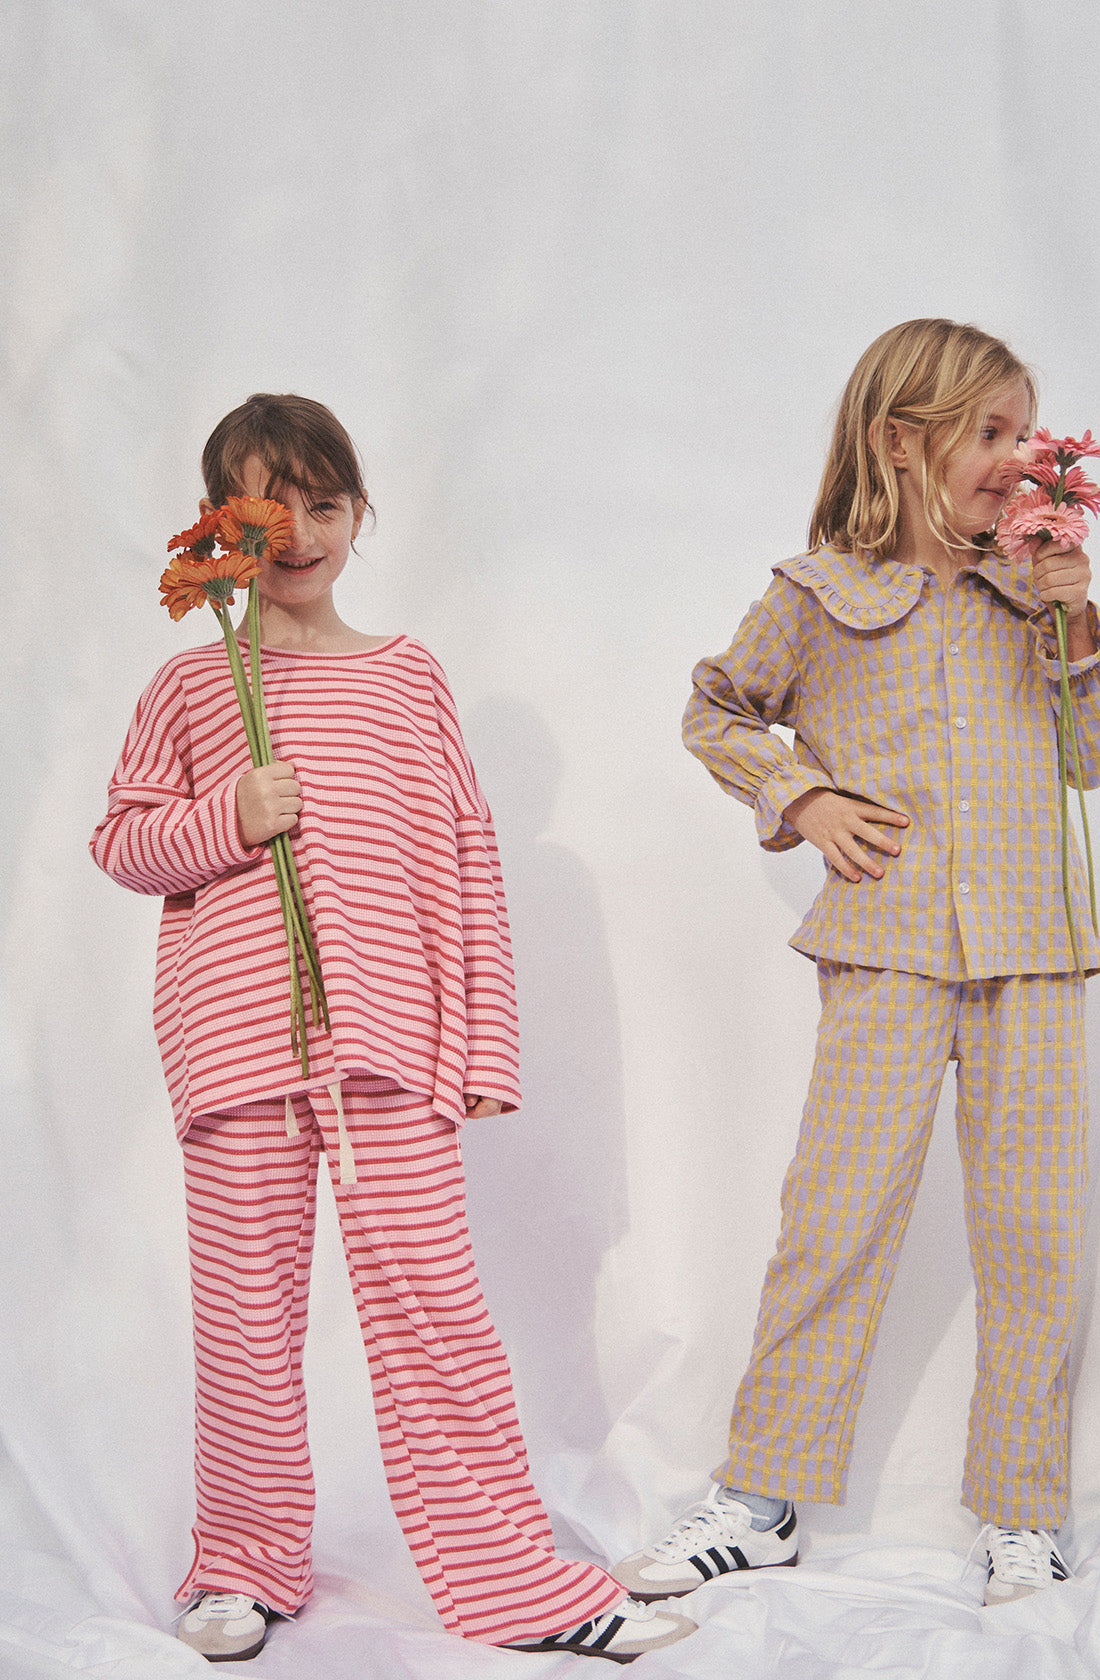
(323, 510)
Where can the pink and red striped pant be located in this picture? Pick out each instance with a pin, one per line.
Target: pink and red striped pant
(454, 1456)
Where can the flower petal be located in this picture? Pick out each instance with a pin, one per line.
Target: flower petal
(201, 536)
(259, 527)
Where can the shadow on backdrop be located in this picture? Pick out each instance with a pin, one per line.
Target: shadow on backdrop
(547, 1187)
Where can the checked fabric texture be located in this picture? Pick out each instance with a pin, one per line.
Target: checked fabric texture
(883, 1044)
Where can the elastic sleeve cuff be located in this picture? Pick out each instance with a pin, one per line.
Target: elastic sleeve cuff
(1046, 646)
(779, 791)
(232, 851)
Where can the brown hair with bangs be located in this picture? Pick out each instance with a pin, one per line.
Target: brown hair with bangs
(299, 441)
(932, 374)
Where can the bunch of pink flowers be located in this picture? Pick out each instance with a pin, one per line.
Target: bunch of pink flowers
(1054, 511)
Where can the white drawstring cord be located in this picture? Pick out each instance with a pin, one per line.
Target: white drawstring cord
(348, 1174)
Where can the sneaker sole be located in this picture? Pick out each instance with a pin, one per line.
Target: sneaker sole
(230, 1656)
(726, 1575)
(580, 1651)
(236, 1656)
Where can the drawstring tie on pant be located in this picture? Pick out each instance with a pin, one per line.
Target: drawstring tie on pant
(348, 1174)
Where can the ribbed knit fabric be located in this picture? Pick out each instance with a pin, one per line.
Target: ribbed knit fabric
(398, 863)
(454, 1456)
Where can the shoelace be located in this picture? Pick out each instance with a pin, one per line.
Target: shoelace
(697, 1527)
(1021, 1556)
(630, 1611)
(221, 1605)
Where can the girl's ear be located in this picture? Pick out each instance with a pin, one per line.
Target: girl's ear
(359, 509)
(206, 505)
(902, 443)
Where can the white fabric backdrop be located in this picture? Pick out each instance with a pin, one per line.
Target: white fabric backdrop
(584, 280)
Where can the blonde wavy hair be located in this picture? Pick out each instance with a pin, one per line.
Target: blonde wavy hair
(935, 375)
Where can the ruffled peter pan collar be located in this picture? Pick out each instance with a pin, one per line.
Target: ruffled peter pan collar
(866, 594)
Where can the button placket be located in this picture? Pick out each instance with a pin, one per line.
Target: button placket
(959, 735)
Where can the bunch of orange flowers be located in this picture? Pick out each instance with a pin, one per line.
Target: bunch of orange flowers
(247, 530)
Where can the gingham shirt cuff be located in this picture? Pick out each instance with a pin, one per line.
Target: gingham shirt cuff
(779, 791)
(1047, 646)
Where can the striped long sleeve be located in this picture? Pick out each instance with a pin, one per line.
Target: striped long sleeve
(398, 864)
(158, 837)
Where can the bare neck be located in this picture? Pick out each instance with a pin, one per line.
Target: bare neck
(316, 628)
(918, 545)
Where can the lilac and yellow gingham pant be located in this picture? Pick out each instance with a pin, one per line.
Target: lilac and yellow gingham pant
(883, 1044)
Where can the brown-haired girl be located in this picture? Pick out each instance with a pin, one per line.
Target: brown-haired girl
(918, 671)
(398, 862)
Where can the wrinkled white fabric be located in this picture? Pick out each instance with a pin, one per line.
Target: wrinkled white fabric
(584, 281)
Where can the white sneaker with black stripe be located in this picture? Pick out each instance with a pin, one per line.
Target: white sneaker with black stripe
(627, 1631)
(1021, 1561)
(715, 1538)
(225, 1626)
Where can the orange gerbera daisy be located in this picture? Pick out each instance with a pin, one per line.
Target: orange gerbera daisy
(255, 526)
(180, 589)
(193, 579)
(201, 537)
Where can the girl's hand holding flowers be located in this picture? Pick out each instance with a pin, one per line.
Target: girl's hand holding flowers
(269, 800)
(1063, 575)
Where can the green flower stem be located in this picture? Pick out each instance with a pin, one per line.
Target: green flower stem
(297, 1021)
(259, 709)
(1065, 714)
(289, 880)
(1063, 794)
(1072, 734)
(240, 681)
(294, 907)
(291, 901)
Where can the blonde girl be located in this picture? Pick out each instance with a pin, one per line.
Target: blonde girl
(918, 671)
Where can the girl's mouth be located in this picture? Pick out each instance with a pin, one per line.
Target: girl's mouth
(297, 565)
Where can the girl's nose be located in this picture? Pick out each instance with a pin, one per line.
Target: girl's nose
(299, 527)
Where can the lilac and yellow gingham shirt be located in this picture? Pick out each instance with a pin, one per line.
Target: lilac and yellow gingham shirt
(939, 703)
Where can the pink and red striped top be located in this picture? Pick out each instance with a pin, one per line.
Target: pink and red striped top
(399, 867)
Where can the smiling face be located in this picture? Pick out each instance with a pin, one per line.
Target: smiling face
(966, 483)
(323, 532)
(972, 472)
